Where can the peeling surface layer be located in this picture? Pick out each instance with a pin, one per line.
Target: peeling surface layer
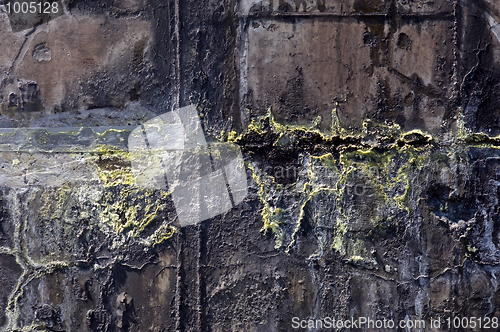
(371, 139)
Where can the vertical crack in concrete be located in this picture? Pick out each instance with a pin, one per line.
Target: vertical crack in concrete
(178, 58)
(31, 270)
(178, 285)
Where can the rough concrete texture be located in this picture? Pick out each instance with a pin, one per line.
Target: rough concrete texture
(369, 132)
(389, 65)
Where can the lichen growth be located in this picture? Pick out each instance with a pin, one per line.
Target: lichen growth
(272, 217)
(366, 178)
(163, 233)
(125, 207)
(114, 205)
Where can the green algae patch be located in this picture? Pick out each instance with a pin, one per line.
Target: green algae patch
(267, 127)
(125, 207)
(348, 184)
(476, 139)
(163, 233)
(337, 129)
(116, 177)
(272, 217)
(383, 178)
(415, 137)
(113, 165)
(129, 209)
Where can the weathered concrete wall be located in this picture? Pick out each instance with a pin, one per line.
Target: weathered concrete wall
(368, 129)
(389, 62)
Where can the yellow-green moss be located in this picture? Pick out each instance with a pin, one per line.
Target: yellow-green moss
(163, 233)
(471, 248)
(387, 174)
(272, 217)
(126, 208)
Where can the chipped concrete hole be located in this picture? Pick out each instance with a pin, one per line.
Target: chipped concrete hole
(42, 53)
(369, 135)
